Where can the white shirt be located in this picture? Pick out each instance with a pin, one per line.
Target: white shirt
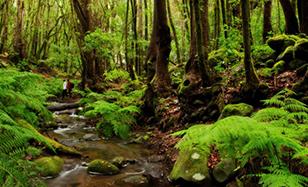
(65, 85)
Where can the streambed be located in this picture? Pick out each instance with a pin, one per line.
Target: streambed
(145, 168)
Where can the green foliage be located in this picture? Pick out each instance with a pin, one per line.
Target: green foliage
(64, 57)
(267, 136)
(103, 43)
(117, 75)
(117, 110)
(233, 41)
(22, 97)
(115, 119)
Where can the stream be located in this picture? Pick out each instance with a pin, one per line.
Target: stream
(145, 169)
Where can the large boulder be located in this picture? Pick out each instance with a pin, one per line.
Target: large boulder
(224, 170)
(296, 63)
(49, 166)
(240, 109)
(191, 166)
(102, 167)
(287, 55)
(301, 49)
(281, 42)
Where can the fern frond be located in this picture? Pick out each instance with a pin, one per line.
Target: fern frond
(269, 114)
(281, 176)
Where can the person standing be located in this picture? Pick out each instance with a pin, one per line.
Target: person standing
(64, 92)
(69, 87)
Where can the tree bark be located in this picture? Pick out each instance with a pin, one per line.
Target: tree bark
(303, 15)
(224, 18)
(4, 28)
(152, 49)
(177, 46)
(162, 81)
(18, 40)
(290, 17)
(267, 18)
(252, 80)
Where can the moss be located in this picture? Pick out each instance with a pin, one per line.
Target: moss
(280, 42)
(241, 109)
(279, 66)
(287, 55)
(301, 49)
(49, 166)
(191, 165)
(33, 152)
(265, 72)
(224, 57)
(52, 144)
(102, 167)
(269, 63)
(223, 170)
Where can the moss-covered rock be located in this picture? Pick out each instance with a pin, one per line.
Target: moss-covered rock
(119, 161)
(224, 57)
(49, 166)
(223, 170)
(240, 109)
(279, 66)
(281, 42)
(191, 166)
(301, 49)
(296, 63)
(269, 63)
(102, 167)
(287, 55)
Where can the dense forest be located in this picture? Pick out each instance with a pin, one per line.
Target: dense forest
(138, 93)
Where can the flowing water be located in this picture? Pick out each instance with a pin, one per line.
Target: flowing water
(145, 169)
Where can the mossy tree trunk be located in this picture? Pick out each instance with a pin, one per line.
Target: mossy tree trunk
(267, 18)
(152, 49)
(161, 81)
(198, 94)
(252, 80)
(18, 43)
(224, 18)
(290, 17)
(91, 69)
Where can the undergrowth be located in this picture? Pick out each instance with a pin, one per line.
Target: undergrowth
(276, 135)
(116, 110)
(22, 98)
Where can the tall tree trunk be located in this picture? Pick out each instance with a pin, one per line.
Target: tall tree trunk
(267, 18)
(162, 81)
(193, 42)
(217, 24)
(150, 59)
(252, 80)
(135, 38)
(229, 13)
(177, 46)
(303, 15)
(224, 18)
(4, 28)
(18, 40)
(146, 18)
(89, 74)
(290, 17)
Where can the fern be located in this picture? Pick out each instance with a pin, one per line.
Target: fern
(266, 135)
(115, 119)
(281, 176)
